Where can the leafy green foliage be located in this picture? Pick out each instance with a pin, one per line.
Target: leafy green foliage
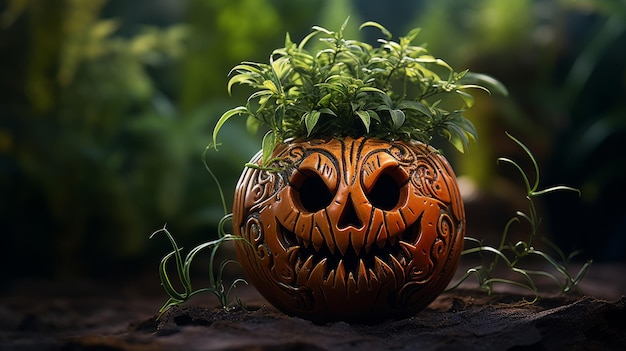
(396, 90)
(517, 256)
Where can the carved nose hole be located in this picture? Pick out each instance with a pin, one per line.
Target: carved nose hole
(385, 193)
(314, 195)
(348, 216)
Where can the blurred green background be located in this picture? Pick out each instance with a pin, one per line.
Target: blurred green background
(106, 108)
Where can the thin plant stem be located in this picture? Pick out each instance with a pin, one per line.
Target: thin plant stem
(217, 181)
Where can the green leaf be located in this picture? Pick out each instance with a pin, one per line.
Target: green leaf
(241, 78)
(371, 90)
(225, 117)
(485, 81)
(555, 188)
(398, 118)
(473, 86)
(270, 85)
(383, 108)
(306, 39)
(519, 168)
(468, 99)
(269, 142)
(393, 47)
(247, 68)
(328, 112)
(332, 86)
(412, 34)
(288, 42)
(457, 137)
(165, 280)
(365, 118)
(261, 93)
(426, 59)
(310, 120)
(373, 115)
(415, 105)
(344, 25)
(382, 29)
(323, 30)
(324, 100)
(469, 127)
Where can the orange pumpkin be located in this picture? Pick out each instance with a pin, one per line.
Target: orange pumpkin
(350, 229)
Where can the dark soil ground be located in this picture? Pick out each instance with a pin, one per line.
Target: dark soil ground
(101, 316)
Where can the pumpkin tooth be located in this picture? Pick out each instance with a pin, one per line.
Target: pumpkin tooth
(352, 287)
(398, 270)
(292, 253)
(318, 240)
(382, 269)
(340, 277)
(298, 265)
(305, 270)
(408, 250)
(362, 280)
(381, 240)
(330, 278)
(407, 246)
(317, 274)
(374, 281)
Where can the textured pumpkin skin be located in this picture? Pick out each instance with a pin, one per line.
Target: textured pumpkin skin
(351, 229)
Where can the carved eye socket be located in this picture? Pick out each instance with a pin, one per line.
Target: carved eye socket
(388, 190)
(312, 193)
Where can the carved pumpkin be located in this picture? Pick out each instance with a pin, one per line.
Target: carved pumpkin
(350, 229)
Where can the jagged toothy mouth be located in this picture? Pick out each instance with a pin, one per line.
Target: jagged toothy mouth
(379, 262)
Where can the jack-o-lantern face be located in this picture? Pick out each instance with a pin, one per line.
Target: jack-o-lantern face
(353, 229)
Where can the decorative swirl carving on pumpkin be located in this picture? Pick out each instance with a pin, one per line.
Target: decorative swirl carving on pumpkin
(260, 186)
(294, 154)
(354, 228)
(445, 226)
(402, 153)
(253, 228)
(428, 179)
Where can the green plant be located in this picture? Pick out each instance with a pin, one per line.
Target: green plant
(397, 91)
(183, 267)
(516, 257)
(216, 274)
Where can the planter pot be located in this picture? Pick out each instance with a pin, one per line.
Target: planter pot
(350, 229)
